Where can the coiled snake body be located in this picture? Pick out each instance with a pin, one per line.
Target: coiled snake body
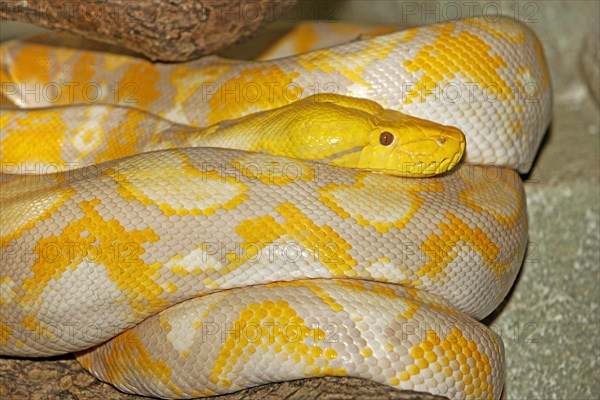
(248, 268)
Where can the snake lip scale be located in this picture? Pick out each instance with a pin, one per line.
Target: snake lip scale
(194, 261)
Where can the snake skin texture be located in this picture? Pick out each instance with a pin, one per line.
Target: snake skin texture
(486, 77)
(198, 271)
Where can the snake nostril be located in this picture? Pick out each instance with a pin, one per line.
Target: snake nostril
(386, 138)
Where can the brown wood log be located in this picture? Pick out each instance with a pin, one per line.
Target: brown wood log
(174, 30)
(63, 378)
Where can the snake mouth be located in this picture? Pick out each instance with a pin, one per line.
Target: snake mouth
(438, 153)
(439, 167)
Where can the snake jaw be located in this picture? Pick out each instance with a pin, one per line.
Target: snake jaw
(420, 148)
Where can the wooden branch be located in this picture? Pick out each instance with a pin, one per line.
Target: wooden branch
(174, 30)
(63, 378)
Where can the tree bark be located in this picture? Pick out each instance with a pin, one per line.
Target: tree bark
(63, 378)
(174, 30)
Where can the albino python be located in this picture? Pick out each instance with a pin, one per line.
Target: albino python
(197, 271)
(334, 129)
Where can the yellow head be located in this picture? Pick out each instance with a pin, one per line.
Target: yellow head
(359, 133)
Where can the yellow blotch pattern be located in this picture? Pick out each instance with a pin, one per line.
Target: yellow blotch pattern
(83, 73)
(5, 333)
(331, 248)
(189, 81)
(22, 144)
(140, 84)
(351, 65)
(413, 306)
(502, 28)
(543, 67)
(40, 328)
(322, 294)
(440, 248)
(267, 326)
(436, 354)
(94, 238)
(23, 69)
(505, 205)
(308, 36)
(255, 89)
(347, 201)
(122, 141)
(323, 242)
(113, 62)
(452, 55)
(26, 218)
(148, 368)
(272, 172)
(199, 193)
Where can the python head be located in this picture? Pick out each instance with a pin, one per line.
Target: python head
(407, 146)
(359, 133)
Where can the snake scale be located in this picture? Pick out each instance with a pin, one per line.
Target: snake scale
(196, 271)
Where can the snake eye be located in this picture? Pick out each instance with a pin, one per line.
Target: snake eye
(386, 138)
